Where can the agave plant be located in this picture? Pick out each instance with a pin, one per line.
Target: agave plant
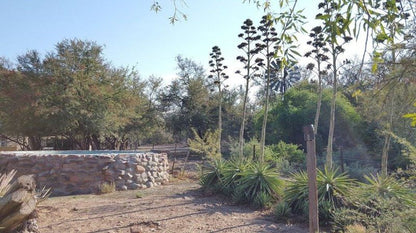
(232, 173)
(260, 178)
(332, 189)
(212, 174)
(387, 187)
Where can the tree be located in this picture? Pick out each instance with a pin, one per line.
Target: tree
(250, 51)
(280, 46)
(298, 108)
(319, 51)
(187, 101)
(22, 94)
(336, 19)
(219, 76)
(267, 48)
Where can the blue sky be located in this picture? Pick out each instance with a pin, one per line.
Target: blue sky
(131, 33)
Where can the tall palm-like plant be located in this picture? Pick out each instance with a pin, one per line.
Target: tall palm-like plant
(219, 76)
(318, 53)
(268, 48)
(249, 49)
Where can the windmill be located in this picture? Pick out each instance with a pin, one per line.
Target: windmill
(281, 82)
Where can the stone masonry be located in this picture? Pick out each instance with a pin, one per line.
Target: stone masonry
(84, 173)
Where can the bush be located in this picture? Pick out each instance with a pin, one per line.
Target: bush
(232, 174)
(282, 210)
(248, 150)
(212, 175)
(287, 151)
(383, 204)
(332, 190)
(207, 145)
(243, 180)
(259, 178)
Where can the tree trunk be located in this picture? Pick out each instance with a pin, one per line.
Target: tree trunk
(385, 155)
(243, 122)
(35, 143)
(332, 115)
(319, 102)
(219, 118)
(266, 110)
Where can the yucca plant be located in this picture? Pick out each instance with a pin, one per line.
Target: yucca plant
(232, 173)
(282, 210)
(212, 174)
(332, 189)
(260, 178)
(387, 187)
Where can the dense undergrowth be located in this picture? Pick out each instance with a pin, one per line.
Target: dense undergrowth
(375, 203)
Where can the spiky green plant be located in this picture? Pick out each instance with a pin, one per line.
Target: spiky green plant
(332, 189)
(212, 174)
(387, 187)
(260, 177)
(232, 173)
(262, 200)
(282, 210)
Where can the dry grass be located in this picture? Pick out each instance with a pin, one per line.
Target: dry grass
(107, 188)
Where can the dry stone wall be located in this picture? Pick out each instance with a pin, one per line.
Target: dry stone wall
(69, 174)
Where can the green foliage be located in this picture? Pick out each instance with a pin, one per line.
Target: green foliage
(411, 116)
(387, 187)
(282, 210)
(258, 178)
(212, 175)
(297, 109)
(233, 173)
(332, 189)
(206, 145)
(382, 204)
(287, 151)
(243, 180)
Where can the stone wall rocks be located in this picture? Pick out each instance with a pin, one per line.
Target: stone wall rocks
(69, 174)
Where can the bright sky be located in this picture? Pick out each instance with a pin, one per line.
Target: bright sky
(131, 33)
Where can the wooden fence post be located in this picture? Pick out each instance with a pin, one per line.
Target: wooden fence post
(311, 169)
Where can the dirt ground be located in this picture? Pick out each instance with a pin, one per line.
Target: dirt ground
(176, 207)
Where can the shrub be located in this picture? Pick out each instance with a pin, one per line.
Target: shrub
(259, 178)
(107, 188)
(206, 145)
(243, 180)
(212, 174)
(287, 151)
(332, 189)
(387, 187)
(248, 150)
(282, 210)
(232, 173)
(262, 200)
(383, 204)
